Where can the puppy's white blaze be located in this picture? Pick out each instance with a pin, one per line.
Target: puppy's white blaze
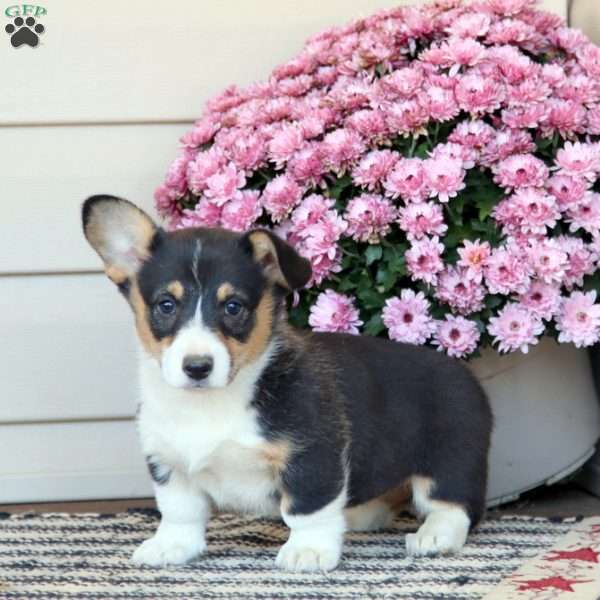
(446, 525)
(316, 540)
(196, 339)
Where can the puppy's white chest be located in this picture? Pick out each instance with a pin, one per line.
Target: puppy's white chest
(216, 445)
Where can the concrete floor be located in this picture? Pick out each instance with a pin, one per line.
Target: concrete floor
(561, 500)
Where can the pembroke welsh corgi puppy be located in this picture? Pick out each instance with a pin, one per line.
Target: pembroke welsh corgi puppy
(239, 411)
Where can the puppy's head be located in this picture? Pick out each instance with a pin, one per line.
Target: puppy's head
(206, 301)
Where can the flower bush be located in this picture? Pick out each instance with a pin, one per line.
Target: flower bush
(437, 165)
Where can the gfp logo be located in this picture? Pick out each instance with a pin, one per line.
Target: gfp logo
(24, 29)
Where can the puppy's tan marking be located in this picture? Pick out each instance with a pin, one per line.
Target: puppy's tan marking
(243, 353)
(422, 488)
(266, 254)
(140, 310)
(176, 289)
(277, 454)
(225, 290)
(115, 274)
(399, 497)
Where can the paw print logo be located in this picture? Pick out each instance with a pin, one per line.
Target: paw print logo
(24, 31)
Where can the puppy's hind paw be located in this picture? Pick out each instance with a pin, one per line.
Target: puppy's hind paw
(444, 532)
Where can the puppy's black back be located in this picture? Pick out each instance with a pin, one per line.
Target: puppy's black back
(405, 410)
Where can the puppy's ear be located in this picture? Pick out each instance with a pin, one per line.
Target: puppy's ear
(280, 262)
(120, 233)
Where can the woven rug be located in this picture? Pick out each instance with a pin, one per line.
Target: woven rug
(87, 556)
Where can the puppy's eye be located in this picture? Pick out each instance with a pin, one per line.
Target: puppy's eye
(233, 308)
(166, 307)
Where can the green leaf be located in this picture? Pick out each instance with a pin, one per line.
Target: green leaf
(386, 278)
(373, 253)
(421, 150)
(374, 326)
(370, 298)
(336, 189)
(592, 282)
(492, 301)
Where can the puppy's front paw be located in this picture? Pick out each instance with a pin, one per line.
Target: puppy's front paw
(311, 557)
(162, 550)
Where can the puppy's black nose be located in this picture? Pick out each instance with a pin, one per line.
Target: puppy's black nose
(197, 367)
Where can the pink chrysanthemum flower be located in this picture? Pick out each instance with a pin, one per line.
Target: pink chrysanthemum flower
(311, 210)
(439, 103)
(542, 299)
(407, 318)
(469, 25)
(528, 211)
(457, 336)
(205, 165)
(424, 260)
(369, 217)
(476, 94)
(473, 134)
(288, 140)
(224, 184)
(506, 272)
(445, 177)
(473, 256)
(244, 147)
(515, 328)
(505, 143)
(341, 147)
(205, 214)
(509, 7)
(407, 180)
(423, 219)
(565, 117)
(203, 131)
(334, 312)
(463, 53)
(462, 294)
(521, 170)
(280, 196)
(242, 212)
(548, 261)
(579, 160)
(582, 260)
(307, 166)
(467, 156)
(176, 179)
(585, 214)
(370, 124)
(593, 120)
(567, 190)
(579, 319)
(525, 117)
(373, 168)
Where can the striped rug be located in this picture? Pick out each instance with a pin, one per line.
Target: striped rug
(86, 556)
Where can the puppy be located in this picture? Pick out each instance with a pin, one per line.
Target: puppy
(239, 411)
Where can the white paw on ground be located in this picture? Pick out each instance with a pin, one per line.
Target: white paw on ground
(294, 557)
(441, 533)
(160, 551)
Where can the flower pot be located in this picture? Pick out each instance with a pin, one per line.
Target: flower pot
(547, 416)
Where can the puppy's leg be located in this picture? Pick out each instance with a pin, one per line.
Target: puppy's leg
(180, 535)
(316, 539)
(446, 524)
(312, 506)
